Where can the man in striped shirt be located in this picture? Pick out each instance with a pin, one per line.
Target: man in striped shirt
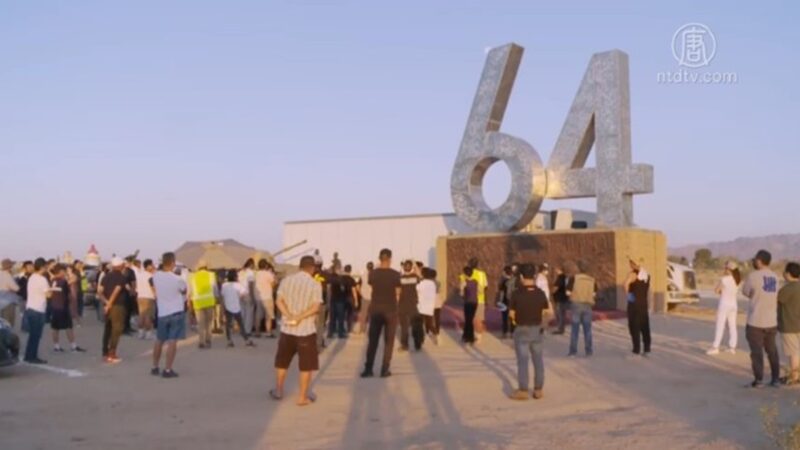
(299, 300)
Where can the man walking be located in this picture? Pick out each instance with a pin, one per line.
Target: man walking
(299, 299)
(582, 290)
(35, 318)
(385, 283)
(527, 310)
(203, 292)
(170, 291)
(638, 287)
(761, 287)
(113, 297)
(789, 320)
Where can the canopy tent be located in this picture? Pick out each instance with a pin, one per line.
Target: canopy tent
(224, 254)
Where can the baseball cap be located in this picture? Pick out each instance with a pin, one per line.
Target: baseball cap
(117, 262)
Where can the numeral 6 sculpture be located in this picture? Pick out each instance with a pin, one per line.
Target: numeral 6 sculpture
(599, 117)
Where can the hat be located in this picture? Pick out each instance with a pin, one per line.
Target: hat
(202, 264)
(6, 264)
(731, 265)
(117, 262)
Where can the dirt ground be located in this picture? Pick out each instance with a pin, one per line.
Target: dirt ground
(443, 397)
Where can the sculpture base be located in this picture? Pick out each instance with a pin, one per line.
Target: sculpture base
(605, 251)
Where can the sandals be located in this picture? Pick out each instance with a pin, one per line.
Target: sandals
(274, 395)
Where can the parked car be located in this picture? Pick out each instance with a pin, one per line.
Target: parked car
(9, 345)
(681, 285)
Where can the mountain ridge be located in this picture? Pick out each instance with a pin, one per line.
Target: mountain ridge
(782, 246)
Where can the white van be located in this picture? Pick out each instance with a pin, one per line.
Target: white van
(681, 285)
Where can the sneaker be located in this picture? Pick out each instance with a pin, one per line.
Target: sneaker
(78, 349)
(169, 374)
(58, 349)
(756, 384)
(141, 334)
(230, 344)
(572, 355)
(520, 394)
(155, 371)
(712, 351)
(537, 394)
(36, 361)
(202, 346)
(367, 374)
(112, 360)
(775, 383)
(386, 373)
(250, 344)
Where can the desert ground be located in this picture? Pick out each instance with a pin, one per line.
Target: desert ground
(446, 396)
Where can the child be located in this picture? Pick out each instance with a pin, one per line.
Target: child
(426, 294)
(232, 294)
(469, 292)
(62, 309)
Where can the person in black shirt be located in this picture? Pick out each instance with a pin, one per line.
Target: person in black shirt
(561, 299)
(527, 306)
(385, 283)
(350, 288)
(638, 285)
(502, 299)
(112, 295)
(340, 291)
(408, 312)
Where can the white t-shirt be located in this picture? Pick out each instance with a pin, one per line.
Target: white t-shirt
(143, 289)
(544, 284)
(37, 293)
(232, 292)
(170, 291)
(265, 281)
(426, 297)
(730, 291)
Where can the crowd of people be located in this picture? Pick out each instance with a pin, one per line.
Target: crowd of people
(316, 305)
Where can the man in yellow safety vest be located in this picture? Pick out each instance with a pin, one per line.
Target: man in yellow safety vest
(203, 293)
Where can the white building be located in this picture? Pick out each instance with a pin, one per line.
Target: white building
(358, 240)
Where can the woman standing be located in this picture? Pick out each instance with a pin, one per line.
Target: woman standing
(728, 291)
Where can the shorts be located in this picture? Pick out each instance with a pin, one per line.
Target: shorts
(480, 313)
(147, 307)
(60, 319)
(171, 327)
(304, 346)
(269, 307)
(791, 344)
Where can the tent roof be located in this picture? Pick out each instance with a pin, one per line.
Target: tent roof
(220, 254)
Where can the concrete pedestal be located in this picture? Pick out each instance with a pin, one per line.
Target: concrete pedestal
(605, 251)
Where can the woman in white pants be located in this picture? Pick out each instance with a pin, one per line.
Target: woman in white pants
(728, 291)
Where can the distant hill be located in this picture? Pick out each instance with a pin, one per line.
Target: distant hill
(782, 246)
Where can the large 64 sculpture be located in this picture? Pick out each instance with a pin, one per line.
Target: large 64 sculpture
(599, 116)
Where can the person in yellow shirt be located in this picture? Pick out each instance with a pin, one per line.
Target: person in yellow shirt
(482, 281)
(204, 295)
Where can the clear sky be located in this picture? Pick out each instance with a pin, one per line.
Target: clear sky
(142, 124)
